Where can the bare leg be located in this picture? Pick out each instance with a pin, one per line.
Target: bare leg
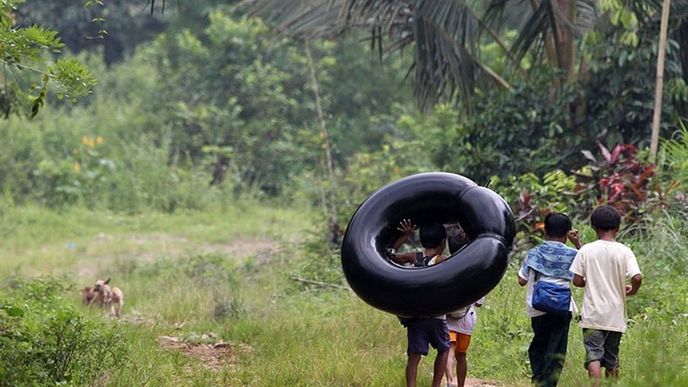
(461, 368)
(439, 368)
(595, 372)
(611, 373)
(412, 369)
(450, 365)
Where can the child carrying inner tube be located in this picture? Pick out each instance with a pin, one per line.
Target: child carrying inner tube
(424, 330)
(427, 197)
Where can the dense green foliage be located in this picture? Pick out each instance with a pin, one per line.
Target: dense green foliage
(222, 110)
(46, 341)
(215, 106)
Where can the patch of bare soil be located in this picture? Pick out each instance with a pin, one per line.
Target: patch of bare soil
(214, 356)
(136, 318)
(471, 382)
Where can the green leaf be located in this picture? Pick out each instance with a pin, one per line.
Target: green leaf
(14, 311)
(37, 103)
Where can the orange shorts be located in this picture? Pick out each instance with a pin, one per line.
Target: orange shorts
(460, 340)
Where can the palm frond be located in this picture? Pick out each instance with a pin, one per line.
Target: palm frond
(587, 16)
(162, 9)
(543, 23)
(508, 14)
(300, 18)
(444, 35)
(446, 60)
(535, 27)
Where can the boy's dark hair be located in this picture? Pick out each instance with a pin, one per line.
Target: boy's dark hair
(605, 218)
(432, 235)
(557, 225)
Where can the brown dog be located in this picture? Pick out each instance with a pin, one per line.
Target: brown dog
(108, 297)
(87, 295)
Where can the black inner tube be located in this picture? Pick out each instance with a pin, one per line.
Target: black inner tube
(468, 275)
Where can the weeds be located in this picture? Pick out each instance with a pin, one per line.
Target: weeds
(44, 340)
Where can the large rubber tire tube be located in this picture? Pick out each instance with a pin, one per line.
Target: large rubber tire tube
(428, 291)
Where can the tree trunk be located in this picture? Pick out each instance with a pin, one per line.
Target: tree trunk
(659, 87)
(329, 166)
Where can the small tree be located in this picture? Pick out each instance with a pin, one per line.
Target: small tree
(28, 69)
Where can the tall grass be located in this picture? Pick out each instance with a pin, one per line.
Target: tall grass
(36, 240)
(285, 334)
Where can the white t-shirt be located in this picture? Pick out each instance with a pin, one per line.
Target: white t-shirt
(466, 324)
(528, 274)
(605, 265)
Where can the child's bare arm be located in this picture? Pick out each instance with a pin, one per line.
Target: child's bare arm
(403, 258)
(522, 281)
(578, 281)
(636, 281)
(523, 274)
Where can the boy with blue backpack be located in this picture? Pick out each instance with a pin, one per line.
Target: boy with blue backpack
(548, 298)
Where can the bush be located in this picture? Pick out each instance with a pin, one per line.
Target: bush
(44, 340)
(676, 151)
(510, 133)
(618, 178)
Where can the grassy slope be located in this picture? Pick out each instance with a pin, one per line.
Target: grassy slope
(35, 240)
(182, 272)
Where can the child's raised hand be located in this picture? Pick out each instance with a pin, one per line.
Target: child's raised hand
(406, 226)
(574, 237)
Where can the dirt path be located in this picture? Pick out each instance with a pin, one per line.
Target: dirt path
(471, 382)
(214, 356)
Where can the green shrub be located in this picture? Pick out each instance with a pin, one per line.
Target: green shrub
(45, 340)
(677, 159)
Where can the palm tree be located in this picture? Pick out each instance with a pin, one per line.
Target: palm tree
(446, 35)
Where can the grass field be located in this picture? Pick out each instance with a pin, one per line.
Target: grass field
(195, 279)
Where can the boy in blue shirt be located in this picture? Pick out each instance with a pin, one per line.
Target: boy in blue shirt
(549, 262)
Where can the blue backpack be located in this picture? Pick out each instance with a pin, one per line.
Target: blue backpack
(550, 297)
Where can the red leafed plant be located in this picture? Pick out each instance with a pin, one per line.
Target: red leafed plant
(621, 179)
